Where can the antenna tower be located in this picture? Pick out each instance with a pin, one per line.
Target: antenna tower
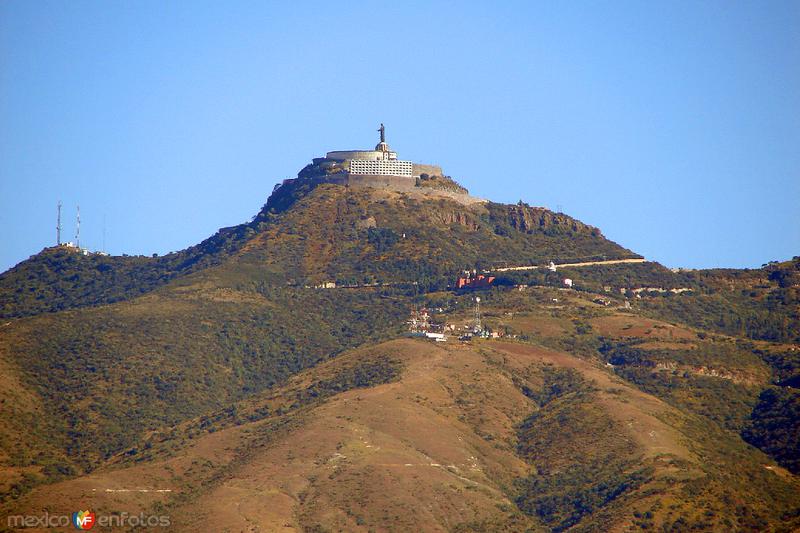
(58, 225)
(78, 229)
(478, 313)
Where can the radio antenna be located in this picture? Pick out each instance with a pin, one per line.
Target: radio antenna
(58, 225)
(78, 229)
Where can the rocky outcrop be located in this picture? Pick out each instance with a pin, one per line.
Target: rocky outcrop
(529, 219)
(452, 217)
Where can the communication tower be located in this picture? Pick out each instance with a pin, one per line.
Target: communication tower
(58, 225)
(78, 229)
(478, 327)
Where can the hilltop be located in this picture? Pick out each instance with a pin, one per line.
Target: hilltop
(266, 369)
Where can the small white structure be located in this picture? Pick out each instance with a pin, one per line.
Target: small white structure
(568, 282)
(552, 267)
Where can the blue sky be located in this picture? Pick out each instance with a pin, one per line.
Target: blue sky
(672, 126)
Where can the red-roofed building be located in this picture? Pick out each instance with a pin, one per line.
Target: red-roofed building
(473, 280)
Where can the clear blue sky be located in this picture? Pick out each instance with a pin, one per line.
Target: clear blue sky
(672, 126)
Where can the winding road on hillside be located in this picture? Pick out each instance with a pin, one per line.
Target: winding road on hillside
(331, 285)
(566, 265)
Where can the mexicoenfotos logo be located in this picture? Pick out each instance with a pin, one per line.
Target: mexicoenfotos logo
(86, 520)
(83, 520)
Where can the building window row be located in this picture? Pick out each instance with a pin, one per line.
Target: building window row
(381, 168)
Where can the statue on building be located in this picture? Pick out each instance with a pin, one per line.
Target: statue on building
(382, 129)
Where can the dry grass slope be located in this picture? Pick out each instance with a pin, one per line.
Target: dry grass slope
(436, 448)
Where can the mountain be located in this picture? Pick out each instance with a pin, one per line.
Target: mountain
(262, 380)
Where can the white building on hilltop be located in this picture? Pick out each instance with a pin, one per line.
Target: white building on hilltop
(378, 168)
(381, 161)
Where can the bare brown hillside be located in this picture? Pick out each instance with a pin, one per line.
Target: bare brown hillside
(436, 449)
